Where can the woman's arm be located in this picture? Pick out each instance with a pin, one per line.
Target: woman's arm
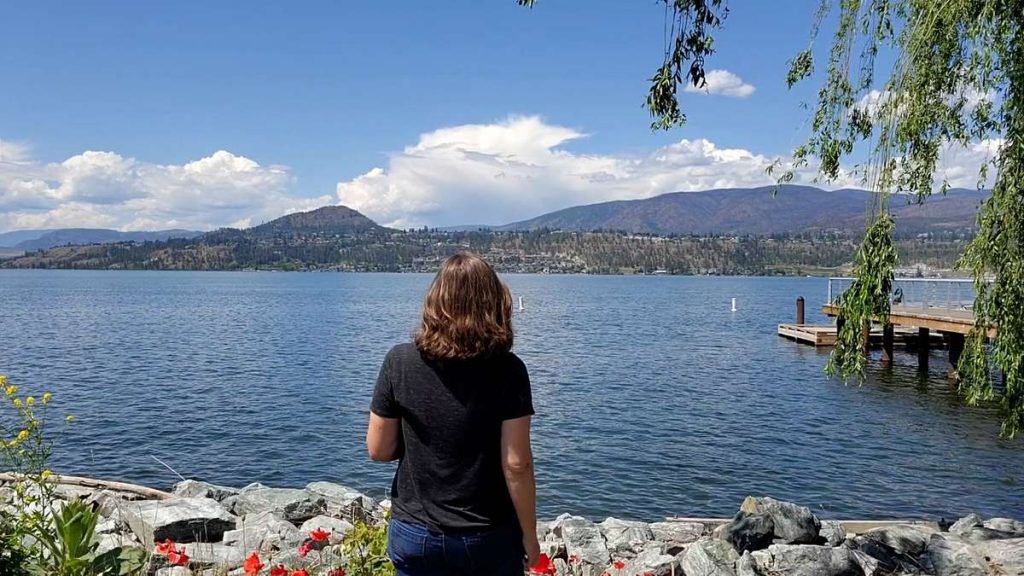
(517, 463)
(383, 438)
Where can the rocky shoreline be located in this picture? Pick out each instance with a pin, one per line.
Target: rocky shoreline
(218, 527)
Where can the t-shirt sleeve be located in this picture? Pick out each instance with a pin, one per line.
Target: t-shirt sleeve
(383, 403)
(518, 396)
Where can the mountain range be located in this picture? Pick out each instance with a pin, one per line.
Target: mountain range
(45, 239)
(761, 211)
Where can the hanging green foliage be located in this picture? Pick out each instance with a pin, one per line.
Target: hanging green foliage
(904, 80)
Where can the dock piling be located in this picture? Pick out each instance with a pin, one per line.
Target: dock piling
(924, 338)
(956, 348)
(800, 310)
(887, 343)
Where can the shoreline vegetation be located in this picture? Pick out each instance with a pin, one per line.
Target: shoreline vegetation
(330, 529)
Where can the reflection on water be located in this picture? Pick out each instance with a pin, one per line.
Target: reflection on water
(653, 397)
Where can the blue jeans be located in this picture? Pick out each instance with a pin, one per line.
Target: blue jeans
(416, 551)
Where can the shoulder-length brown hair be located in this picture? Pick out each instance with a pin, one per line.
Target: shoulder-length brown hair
(467, 312)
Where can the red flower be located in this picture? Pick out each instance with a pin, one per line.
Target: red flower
(304, 548)
(319, 535)
(252, 565)
(574, 559)
(164, 548)
(618, 564)
(648, 573)
(279, 570)
(300, 572)
(544, 565)
(336, 572)
(178, 557)
(606, 573)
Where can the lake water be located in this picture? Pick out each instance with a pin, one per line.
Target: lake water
(653, 399)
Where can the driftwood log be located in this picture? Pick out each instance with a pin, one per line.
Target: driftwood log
(143, 491)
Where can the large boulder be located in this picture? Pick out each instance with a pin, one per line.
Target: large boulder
(749, 532)
(709, 558)
(180, 519)
(792, 524)
(951, 555)
(292, 504)
(344, 502)
(878, 554)
(335, 526)
(677, 533)
(652, 562)
(806, 560)
(208, 555)
(908, 539)
(625, 535)
(199, 489)
(1005, 555)
(1007, 525)
(583, 540)
(263, 531)
(832, 532)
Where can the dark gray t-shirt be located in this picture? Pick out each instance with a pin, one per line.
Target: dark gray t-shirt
(450, 476)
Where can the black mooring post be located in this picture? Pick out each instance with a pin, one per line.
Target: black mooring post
(800, 310)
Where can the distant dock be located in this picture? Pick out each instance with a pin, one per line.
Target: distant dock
(924, 314)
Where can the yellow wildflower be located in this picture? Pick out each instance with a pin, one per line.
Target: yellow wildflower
(30, 401)
(46, 474)
(47, 397)
(23, 435)
(3, 379)
(69, 418)
(11, 390)
(16, 402)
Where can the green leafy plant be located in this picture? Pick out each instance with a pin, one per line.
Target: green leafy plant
(70, 548)
(365, 547)
(13, 556)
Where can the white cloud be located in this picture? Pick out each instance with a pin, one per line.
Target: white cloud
(722, 83)
(105, 189)
(516, 169)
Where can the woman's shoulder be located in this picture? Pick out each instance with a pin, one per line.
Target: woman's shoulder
(404, 352)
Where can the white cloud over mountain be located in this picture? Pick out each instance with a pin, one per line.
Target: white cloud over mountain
(105, 189)
(472, 174)
(722, 83)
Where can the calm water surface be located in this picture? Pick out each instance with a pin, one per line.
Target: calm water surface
(653, 398)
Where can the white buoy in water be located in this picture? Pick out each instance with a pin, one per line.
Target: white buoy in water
(521, 303)
(733, 304)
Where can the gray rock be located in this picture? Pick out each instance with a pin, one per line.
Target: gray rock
(651, 562)
(806, 560)
(107, 542)
(344, 502)
(745, 566)
(965, 524)
(876, 554)
(180, 519)
(112, 523)
(674, 532)
(263, 531)
(793, 524)
(292, 504)
(907, 539)
(555, 526)
(749, 532)
(336, 526)
(832, 532)
(174, 571)
(1009, 525)
(951, 555)
(207, 554)
(583, 539)
(199, 489)
(554, 548)
(1005, 555)
(709, 558)
(625, 535)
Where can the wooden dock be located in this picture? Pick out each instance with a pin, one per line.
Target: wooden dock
(825, 335)
(924, 314)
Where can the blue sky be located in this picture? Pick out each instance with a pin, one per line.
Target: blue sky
(322, 93)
